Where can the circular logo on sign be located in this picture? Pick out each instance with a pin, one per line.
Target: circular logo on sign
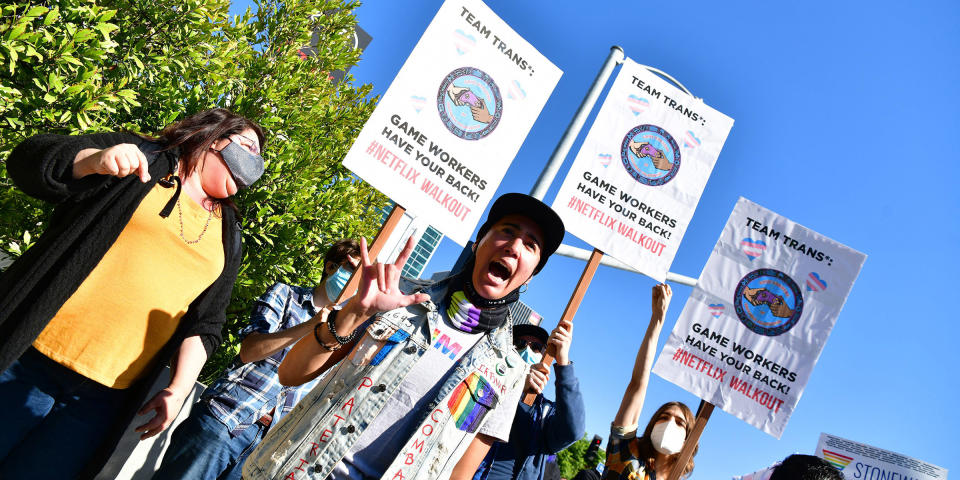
(650, 155)
(768, 302)
(469, 103)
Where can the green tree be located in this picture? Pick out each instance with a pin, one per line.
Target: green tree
(571, 460)
(84, 66)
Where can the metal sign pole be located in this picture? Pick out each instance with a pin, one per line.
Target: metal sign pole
(539, 189)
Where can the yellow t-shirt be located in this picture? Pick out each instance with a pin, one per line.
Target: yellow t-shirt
(129, 306)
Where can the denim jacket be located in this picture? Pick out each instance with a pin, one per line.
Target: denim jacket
(325, 424)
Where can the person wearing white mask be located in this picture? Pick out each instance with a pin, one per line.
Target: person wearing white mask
(654, 453)
(236, 410)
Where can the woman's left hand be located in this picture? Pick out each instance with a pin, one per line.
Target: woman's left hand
(166, 403)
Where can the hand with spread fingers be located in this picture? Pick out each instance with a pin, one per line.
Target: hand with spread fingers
(379, 284)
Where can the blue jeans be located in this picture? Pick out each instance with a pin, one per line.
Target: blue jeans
(201, 448)
(53, 418)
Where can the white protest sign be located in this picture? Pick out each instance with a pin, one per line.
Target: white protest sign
(858, 461)
(636, 181)
(444, 133)
(755, 324)
(758, 475)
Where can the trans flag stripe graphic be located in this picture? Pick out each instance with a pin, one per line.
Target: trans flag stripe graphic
(753, 248)
(470, 401)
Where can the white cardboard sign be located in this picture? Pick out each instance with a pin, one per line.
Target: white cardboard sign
(450, 124)
(636, 181)
(755, 324)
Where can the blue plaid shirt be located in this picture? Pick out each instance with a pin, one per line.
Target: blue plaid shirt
(249, 390)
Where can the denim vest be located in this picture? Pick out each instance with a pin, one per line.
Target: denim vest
(325, 424)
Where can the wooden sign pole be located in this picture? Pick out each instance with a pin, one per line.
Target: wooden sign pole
(378, 242)
(578, 293)
(703, 415)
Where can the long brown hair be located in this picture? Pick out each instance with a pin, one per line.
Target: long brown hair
(193, 136)
(649, 454)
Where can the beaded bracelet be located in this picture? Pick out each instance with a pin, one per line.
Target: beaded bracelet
(316, 335)
(331, 325)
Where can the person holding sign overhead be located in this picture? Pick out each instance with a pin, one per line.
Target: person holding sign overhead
(430, 378)
(654, 453)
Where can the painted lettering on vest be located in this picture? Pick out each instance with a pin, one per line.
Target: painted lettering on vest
(444, 344)
(492, 378)
(416, 448)
(328, 433)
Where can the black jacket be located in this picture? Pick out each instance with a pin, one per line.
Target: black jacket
(90, 213)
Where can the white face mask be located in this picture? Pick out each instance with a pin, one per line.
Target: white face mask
(667, 437)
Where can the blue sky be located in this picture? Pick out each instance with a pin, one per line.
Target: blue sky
(846, 122)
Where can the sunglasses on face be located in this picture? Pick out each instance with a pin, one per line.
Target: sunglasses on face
(535, 346)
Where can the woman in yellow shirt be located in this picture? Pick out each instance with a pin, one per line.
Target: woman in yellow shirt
(134, 270)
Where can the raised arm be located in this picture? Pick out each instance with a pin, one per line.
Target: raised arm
(632, 401)
(56, 167)
(565, 423)
(378, 292)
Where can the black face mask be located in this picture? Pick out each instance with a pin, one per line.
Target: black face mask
(245, 167)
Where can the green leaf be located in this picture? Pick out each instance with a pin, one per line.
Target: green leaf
(16, 31)
(36, 11)
(52, 16)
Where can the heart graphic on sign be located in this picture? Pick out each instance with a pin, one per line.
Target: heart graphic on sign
(753, 248)
(605, 159)
(716, 309)
(515, 91)
(690, 140)
(815, 283)
(463, 42)
(418, 102)
(637, 104)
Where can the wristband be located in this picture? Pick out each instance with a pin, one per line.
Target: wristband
(331, 325)
(316, 335)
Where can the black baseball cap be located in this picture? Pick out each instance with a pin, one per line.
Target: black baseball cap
(530, 207)
(524, 329)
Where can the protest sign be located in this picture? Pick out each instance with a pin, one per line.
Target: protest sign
(636, 181)
(758, 475)
(864, 462)
(755, 324)
(451, 122)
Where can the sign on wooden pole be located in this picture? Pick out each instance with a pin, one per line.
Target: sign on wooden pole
(703, 415)
(578, 293)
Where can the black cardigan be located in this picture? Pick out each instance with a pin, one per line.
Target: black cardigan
(90, 213)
